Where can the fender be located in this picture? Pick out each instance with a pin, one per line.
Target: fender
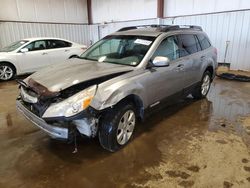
(209, 62)
(114, 93)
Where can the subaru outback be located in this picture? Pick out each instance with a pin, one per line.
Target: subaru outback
(118, 80)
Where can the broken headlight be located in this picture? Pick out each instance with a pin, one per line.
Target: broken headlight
(73, 105)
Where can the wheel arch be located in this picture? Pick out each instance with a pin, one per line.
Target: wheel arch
(73, 56)
(136, 101)
(210, 69)
(11, 64)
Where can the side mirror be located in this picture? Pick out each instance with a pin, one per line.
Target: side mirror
(160, 61)
(24, 50)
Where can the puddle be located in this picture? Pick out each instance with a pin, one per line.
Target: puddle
(177, 146)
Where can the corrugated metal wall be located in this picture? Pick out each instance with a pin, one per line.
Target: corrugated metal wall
(56, 11)
(191, 7)
(112, 27)
(13, 31)
(232, 29)
(123, 10)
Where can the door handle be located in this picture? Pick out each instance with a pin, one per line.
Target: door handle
(66, 50)
(44, 53)
(179, 67)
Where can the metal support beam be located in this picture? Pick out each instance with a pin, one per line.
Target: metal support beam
(160, 8)
(89, 9)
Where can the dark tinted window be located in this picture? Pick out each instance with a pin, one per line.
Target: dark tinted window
(188, 44)
(168, 48)
(197, 43)
(204, 41)
(58, 44)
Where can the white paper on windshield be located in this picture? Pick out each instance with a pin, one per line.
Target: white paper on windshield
(143, 42)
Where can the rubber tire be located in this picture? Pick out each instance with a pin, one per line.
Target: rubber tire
(109, 124)
(10, 66)
(197, 92)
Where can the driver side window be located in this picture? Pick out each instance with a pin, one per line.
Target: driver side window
(168, 48)
(36, 45)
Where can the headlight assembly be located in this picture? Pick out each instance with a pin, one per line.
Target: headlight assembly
(73, 105)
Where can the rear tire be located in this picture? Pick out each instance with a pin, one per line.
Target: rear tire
(7, 71)
(117, 127)
(203, 88)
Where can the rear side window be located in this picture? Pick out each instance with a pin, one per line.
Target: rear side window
(203, 41)
(188, 44)
(58, 44)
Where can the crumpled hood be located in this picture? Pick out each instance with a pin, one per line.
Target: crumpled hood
(59, 77)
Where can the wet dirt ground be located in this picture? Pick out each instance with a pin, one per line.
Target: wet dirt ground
(202, 143)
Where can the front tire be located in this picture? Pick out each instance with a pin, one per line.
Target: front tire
(117, 127)
(7, 71)
(202, 90)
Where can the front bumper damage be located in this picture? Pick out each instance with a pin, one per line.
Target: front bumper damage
(35, 99)
(53, 131)
(85, 126)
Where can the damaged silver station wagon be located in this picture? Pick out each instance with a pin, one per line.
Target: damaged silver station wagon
(117, 80)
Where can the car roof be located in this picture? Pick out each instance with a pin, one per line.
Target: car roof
(44, 38)
(153, 32)
(156, 30)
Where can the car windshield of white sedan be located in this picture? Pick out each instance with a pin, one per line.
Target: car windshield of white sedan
(13, 46)
(124, 50)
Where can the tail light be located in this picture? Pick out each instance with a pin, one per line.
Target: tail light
(84, 47)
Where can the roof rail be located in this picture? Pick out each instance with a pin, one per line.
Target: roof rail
(180, 27)
(162, 28)
(142, 26)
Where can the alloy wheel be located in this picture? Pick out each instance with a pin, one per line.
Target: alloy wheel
(205, 85)
(126, 127)
(6, 72)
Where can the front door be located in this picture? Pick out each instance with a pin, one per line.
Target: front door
(163, 82)
(35, 58)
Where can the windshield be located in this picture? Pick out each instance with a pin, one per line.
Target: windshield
(124, 50)
(13, 46)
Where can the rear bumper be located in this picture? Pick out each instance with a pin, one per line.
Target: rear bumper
(53, 131)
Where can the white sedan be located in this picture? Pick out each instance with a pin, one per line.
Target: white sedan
(30, 55)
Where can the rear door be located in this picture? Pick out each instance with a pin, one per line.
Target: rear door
(37, 56)
(59, 51)
(191, 58)
(206, 55)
